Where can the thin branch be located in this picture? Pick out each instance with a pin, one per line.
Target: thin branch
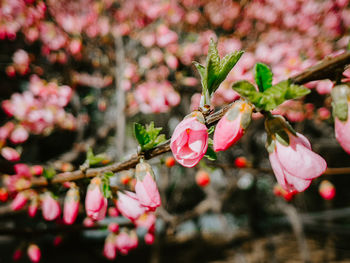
(313, 73)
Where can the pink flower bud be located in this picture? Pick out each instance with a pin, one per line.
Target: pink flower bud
(19, 202)
(291, 157)
(113, 227)
(33, 207)
(113, 212)
(10, 154)
(57, 240)
(232, 125)
(109, 249)
(149, 238)
(71, 206)
(327, 190)
(129, 206)
(34, 253)
(22, 169)
(19, 135)
(125, 242)
(50, 207)
(189, 141)
(37, 170)
(88, 222)
(95, 202)
(146, 188)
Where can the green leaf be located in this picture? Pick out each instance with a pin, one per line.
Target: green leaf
(296, 91)
(109, 174)
(247, 90)
(106, 188)
(282, 137)
(340, 110)
(49, 173)
(263, 76)
(140, 133)
(215, 71)
(226, 65)
(271, 97)
(211, 129)
(94, 159)
(202, 72)
(210, 154)
(148, 137)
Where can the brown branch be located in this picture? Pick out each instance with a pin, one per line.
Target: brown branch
(329, 68)
(326, 68)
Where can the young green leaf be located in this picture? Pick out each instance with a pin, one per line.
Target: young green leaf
(49, 173)
(106, 188)
(202, 72)
(148, 137)
(141, 134)
(94, 159)
(247, 90)
(263, 76)
(215, 71)
(211, 129)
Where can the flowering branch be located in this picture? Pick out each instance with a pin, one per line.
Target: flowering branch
(325, 69)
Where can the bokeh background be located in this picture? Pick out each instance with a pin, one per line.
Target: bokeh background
(77, 74)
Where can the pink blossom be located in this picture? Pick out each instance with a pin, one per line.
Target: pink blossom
(10, 154)
(19, 202)
(165, 36)
(19, 135)
(6, 130)
(324, 86)
(75, 46)
(232, 125)
(34, 253)
(147, 221)
(50, 207)
(125, 242)
(296, 165)
(37, 169)
(189, 141)
(88, 222)
(129, 206)
(113, 227)
(23, 170)
(146, 188)
(71, 206)
(95, 202)
(109, 249)
(149, 238)
(113, 212)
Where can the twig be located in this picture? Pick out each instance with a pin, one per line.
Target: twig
(316, 72)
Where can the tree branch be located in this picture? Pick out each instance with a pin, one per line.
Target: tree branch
(325, 69)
